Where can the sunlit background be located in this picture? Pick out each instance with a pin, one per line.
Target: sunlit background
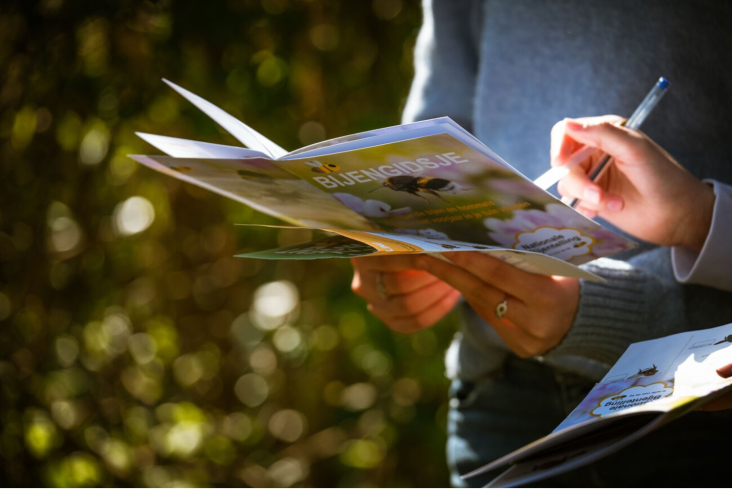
(135, 350)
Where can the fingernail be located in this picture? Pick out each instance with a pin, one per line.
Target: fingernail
(615, 205)
(591, 194)
(725, 371)
(575, 125)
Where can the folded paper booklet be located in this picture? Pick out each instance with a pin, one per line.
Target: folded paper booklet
(653, 383)
(425, 187)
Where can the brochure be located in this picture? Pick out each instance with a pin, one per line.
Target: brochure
(425, 187)
(653, 383)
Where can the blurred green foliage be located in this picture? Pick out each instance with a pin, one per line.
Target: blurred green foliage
(135, 350)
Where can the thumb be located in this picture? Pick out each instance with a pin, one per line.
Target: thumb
(617, 141)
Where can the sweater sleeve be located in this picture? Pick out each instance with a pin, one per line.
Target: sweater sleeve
(445, 62)
(712, 266)
(640, 300)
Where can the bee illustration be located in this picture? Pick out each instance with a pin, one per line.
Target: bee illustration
(728, 338)
(580, 244)
(619, 397)
(649, 371)
(326, 168)
(416, 185)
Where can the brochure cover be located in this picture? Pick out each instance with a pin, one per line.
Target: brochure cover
(425, 187)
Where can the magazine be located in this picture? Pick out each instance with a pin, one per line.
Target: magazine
(653, 383)
(425, 187)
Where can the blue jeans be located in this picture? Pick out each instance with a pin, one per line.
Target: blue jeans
(526, 400)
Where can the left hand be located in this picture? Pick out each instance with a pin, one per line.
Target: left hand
(410, 300)
(540, 311)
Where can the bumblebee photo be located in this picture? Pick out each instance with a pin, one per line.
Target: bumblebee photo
(415, 185)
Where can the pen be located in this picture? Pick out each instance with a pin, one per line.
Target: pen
(633, 123)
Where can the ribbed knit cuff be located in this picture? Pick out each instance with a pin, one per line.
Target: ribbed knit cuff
(711, 266)
(610, 317)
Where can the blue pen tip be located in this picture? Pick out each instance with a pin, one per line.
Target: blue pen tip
(663, 82)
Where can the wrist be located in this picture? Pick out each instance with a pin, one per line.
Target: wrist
(700, 222)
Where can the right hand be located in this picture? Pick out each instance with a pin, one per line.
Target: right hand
(724, 402)
(644, 192)
(413, 299)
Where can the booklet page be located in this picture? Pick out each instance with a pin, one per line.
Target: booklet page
(440, 188)
(262, 185)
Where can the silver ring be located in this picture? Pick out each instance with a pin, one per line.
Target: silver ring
(380, 289)
(501, 308)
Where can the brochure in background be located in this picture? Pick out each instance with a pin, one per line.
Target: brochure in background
(653, 383)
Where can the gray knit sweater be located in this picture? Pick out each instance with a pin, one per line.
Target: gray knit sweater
(507, 70)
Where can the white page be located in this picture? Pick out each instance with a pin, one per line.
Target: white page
(523, 260)
(151, 162)
(239, 130)
(664, 355)
(373, 141)
(179, 147)
(406, 132)
(370, 133)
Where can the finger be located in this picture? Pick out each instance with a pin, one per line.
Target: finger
(724, 402)
(480, 294)
(366, 283)
(521, 342)
(564, 146)
(384, 263)
(615, 140)
(499, 274)
(426, 318)
(403, 282)
(593, 197)
(524, 327)
(412, 303)
(725, 371)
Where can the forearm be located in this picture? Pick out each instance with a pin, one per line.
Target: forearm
(641, 300)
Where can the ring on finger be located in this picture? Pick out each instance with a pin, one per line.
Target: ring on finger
(501, 308)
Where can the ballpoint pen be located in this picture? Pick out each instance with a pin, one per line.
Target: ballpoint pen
(633, 123)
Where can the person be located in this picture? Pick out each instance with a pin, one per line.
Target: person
(507, 71)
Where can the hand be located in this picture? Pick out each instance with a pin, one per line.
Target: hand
(540, 311)
(645, 191)
(413, 300)
(723, 402)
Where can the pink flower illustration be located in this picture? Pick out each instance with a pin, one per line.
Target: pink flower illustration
(505, 232)
(369, 208)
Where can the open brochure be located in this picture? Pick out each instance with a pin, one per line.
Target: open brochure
(425, 187)
(653, 383)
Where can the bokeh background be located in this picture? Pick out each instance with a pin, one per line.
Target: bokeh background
(135, 350)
